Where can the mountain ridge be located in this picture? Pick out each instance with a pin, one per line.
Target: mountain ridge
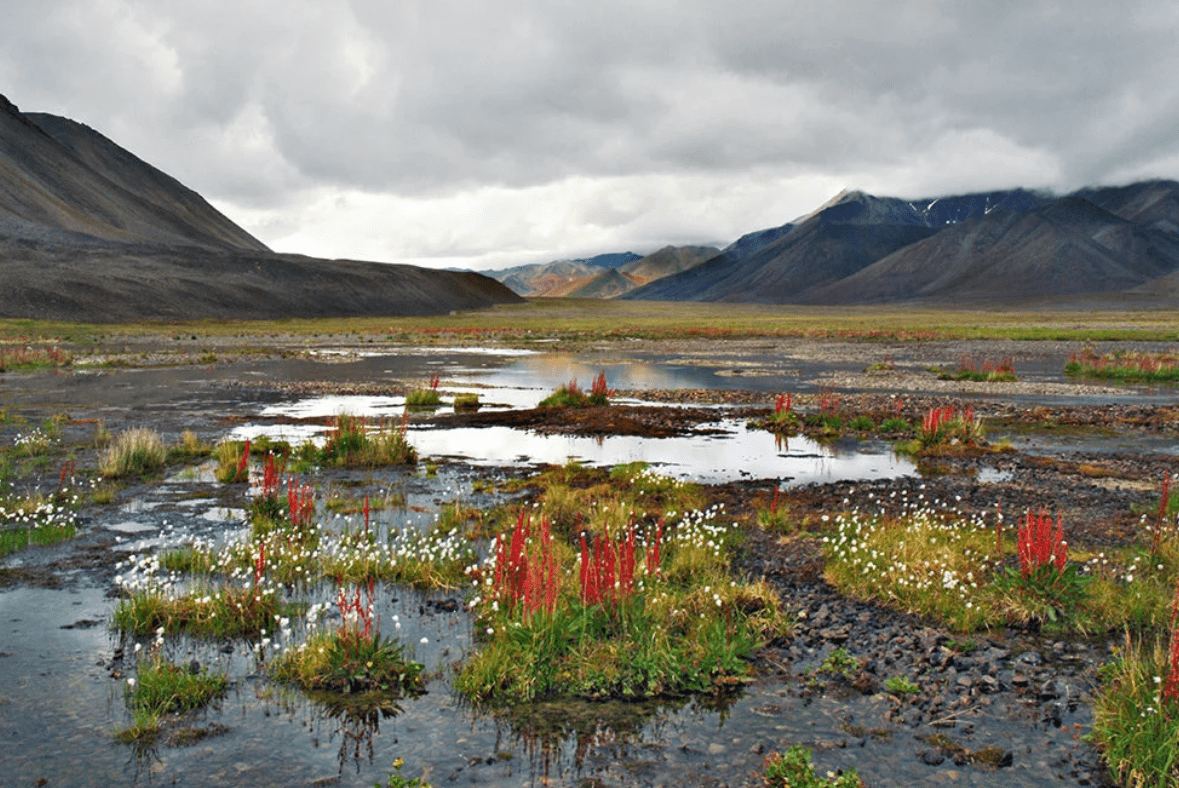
(90, 232)
(858, 248)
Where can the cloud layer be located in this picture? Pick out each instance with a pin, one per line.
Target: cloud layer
(465, 132)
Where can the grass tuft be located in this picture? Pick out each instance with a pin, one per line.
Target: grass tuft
(137, 452)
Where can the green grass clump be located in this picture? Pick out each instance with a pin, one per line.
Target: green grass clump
(351, 445)
(423, 399)
(894, 425)
(28, 359)
(946, 431)
(861, 423)
(225, 612)
(161, 688)
(1126, 367)
(190, 447)
(793, 769)
(985, 371)
(36, 519)
(570, 395)
(671, 621)
(925, 563)
(18, 538)
(233, 462)
(901, 685)
(137, 452)
(466, 402)
(349, 661)
(1133, 724)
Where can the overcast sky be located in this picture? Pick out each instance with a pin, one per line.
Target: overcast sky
(488, 134)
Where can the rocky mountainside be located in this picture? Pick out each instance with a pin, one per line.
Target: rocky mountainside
(988, 247)
(560, 276)
(667, 261)
(89, 232)
(610, 283)
(1067, 247)
(62, 182)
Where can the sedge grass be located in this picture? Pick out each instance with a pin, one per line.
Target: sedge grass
(424, 399)
(925, 562)
(37, 520)
(1133, 724)
(190, 447)
(160, 688)
(350, 444)
(938, 562)
(232, 462)
(13, 540)
(350, 662)
(466, 403)
(137, 452)
(205, 612)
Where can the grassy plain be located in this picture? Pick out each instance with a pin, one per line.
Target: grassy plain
(590, 318)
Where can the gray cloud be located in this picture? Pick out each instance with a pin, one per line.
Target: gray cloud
(270, 107)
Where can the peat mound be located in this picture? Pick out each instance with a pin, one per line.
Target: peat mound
(639, 420)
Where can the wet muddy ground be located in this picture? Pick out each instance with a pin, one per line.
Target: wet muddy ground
(1008, 711)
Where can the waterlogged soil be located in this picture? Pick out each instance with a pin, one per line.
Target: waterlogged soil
(997, 708)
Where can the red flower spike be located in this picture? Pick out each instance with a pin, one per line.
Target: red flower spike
(243, 463)
(1040, 543)
(1164, 505)
(1171, 685)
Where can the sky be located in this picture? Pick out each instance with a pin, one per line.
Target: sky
(486, 134)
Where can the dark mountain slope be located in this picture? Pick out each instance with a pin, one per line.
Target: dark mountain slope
(1067, 247)
(61, 181)
(849, 233)
(113, 283)
(89, 232)
(940, 212)
(1153, 204)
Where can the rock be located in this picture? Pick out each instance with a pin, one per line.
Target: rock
(835, 634)
(1049, 690)
(933, 758)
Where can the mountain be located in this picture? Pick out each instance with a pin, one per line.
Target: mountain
(63, 182)
(610, 283)
(559, 276)
(667, 261)
(990, 246)
(1153, 204)
(89, 232)
(599, 278)
(1067, 247)
(848, 233)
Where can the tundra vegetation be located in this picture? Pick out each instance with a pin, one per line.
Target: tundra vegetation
(608, 583)
(1125, 366)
